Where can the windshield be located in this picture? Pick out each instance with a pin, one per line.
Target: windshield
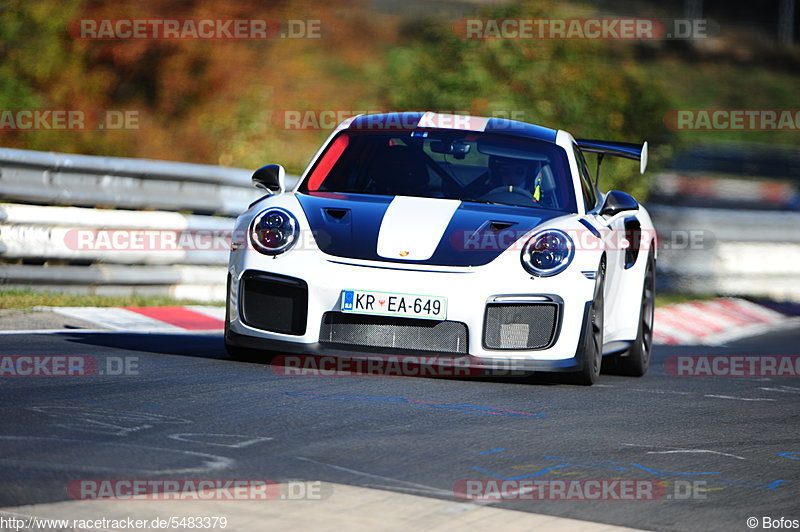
(467, 166)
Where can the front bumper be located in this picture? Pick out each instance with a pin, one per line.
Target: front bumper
(496, 366)
(468, 292)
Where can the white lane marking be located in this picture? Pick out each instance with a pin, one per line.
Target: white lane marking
(53, 331)
(676, 451)
(674, 392)
(783, 389)
(710, 396)
(116, 318)
(105, 421)
(238, 441)
(412, 228)
(211, 462)
(738, 398)
(208, 332)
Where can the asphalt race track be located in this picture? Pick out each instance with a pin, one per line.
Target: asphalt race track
(727, 448)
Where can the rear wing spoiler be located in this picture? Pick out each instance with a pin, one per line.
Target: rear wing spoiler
(627, 150)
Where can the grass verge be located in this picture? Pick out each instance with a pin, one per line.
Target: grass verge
(673, 299)
(27, 299)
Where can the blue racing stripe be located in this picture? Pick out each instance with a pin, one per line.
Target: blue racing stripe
(347, 225)
(355, 234)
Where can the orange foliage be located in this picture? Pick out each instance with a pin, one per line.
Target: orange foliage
(210, 101)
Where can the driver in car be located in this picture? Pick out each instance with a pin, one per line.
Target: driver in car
(514, 177)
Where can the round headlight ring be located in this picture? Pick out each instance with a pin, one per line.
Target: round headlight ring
(274, 231)
(547, 253)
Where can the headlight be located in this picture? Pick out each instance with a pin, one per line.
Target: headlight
(273, 231)
(547, 253)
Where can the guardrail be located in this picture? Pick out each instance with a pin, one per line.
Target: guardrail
(55, 207)
(82, 180)
(728, 251)
(114, 236)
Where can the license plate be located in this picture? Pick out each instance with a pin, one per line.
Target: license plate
(394, 304)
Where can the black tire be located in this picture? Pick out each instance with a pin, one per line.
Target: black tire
(635, 362)
(591, 345)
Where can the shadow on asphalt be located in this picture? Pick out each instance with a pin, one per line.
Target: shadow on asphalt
(212, 347)
(195, 345)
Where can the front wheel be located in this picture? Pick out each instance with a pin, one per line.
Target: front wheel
(590, 348)
(635, 362)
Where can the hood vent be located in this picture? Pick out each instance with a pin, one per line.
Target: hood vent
(337, 215)
(499, 226)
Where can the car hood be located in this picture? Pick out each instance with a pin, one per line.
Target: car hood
(401, 229)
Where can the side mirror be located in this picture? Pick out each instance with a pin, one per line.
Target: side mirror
(617, 202)
(271, 178)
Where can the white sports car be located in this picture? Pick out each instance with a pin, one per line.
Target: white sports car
(478, 238)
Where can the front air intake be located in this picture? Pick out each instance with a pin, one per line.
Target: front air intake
(520, 325)
(274, 303)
